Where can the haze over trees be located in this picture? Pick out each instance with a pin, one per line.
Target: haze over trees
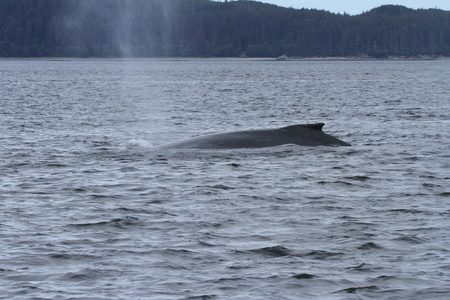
(204, 28)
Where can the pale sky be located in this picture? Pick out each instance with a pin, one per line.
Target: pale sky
(354, 7)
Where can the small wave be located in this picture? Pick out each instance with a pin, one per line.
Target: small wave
(57, 165)
(339, 182)
(207, 244)
(382, 278)
(364, 267)
(275, 251)
(430, 185)
(411, 239)
(104, 196)
(358, 178)
(409, 211)
(353, 290)
(28, 278)
(433, 293)
(143, 211)
(303, 276)
(101, 145)
(118, 223)
(172, 251)
(369, 246)
(221, 187)
(201, 297)
(321, 254)
(20, 292)
(77, 257)
(234, 165)
(86, 274)
(225, 90)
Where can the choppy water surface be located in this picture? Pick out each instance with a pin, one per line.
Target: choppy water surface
(89, 210)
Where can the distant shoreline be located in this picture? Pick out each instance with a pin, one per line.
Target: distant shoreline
(222, 59)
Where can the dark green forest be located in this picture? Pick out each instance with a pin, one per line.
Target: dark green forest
(204, 28)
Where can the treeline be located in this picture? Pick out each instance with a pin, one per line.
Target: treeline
(204, 28)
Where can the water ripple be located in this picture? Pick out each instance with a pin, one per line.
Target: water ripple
(90, 210)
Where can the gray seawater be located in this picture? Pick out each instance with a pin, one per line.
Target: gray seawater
(90, 210)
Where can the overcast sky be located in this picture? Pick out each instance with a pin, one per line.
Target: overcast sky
(354, 7)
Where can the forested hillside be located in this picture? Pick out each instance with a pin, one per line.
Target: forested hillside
(203, 28)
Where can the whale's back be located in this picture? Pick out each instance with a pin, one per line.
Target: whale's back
(303, 135)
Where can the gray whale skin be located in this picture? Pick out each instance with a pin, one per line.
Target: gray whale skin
(302, 135)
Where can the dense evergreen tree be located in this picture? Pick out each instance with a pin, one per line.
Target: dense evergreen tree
(157, 28)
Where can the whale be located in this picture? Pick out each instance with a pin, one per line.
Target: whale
(301, 134)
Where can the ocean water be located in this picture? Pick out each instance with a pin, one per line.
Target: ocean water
(91, 209)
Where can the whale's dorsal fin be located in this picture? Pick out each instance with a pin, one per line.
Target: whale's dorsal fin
(316, 126)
